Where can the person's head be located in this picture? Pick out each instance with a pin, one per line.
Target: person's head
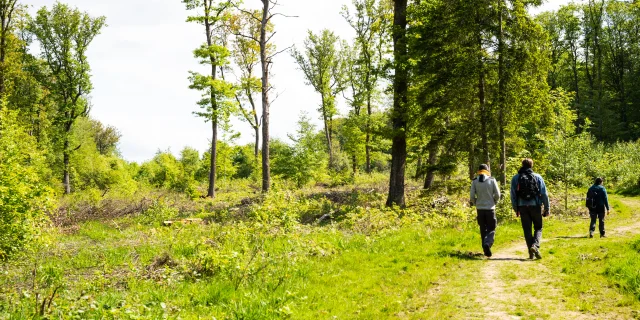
(599, 181)
(483, 167)
(527, 163)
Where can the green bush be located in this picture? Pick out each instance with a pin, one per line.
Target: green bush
(24, 196)
(305, 160)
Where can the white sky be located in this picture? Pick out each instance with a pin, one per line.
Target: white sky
(140, 66)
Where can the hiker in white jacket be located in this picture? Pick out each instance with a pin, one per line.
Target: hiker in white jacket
(485, 193)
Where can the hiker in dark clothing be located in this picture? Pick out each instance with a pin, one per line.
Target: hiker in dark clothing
(485, 193)
(597, 202)
(528, 195)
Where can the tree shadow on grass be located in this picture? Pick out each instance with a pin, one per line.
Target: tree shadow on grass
(468, 255)
(510, 259)
(462, 255)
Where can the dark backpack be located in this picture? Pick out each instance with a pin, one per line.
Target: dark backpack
(528, 188)
(592, 198)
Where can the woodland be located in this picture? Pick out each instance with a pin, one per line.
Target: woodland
(363, 217)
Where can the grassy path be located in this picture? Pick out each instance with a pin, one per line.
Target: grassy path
(560, 286)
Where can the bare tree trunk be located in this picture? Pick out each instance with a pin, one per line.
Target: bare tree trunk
(399, 113)
(264, 60)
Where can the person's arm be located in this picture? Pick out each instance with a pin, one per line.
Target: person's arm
(606, 200)
(496, 191)
(472, 198)
(544, 195)
(514, 196)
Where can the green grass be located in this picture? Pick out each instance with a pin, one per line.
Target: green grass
(134, 268)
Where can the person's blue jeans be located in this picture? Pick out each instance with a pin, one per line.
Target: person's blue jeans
(597, 216)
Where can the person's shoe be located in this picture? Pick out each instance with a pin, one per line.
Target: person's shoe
(590, 234)
(536, 252)
(487, 250)
(602, 236)
(530, 254)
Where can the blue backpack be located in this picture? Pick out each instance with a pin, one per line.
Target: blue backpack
(592, 198)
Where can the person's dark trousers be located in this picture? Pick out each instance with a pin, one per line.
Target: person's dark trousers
(599, 216)
(488, 223)
(531, 215)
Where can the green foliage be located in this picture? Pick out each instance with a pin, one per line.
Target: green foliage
(594, 48)
(64, 34)
(304, 161)
(25, 197)
(165, 171)
(94, 164)
(323, 65)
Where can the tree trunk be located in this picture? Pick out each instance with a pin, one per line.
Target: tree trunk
(214, 156)
(399, 113)
(472, 161)
(433, 160)
(211, 192)
(256, 149)
(576, 88)
(484, 113)
(354, 165)
(266, 168)
(501, 97)
(66, 155)
(368, 133)
(327, 132)
(419, 171)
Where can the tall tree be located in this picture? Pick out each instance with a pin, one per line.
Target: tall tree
(64, 35)
(214, 53)
(324, 69)
(264, 17)
(593, 17)
(400, 106)
(7, 11)
(246, 54)
(371, 23)
(265, 62)
(521, 63)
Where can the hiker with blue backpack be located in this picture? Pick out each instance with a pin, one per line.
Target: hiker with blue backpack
(597, 202)
(528, 195)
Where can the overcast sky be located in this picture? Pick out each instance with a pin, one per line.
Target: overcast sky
(140, 66)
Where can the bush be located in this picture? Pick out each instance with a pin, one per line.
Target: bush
(305, 160)
(24, 196)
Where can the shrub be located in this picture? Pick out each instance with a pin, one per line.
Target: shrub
(24, 196)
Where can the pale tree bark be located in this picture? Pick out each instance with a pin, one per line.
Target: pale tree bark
(265, 62)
